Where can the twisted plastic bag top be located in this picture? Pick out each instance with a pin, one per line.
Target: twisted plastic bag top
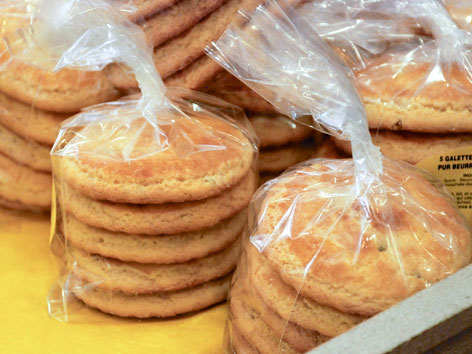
(88, 35)
(357, 236)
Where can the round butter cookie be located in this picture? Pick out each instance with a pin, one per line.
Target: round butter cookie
(328, 150)
(176, 19)
(413, 147)
(65, 91)
(21, 184)
(376, 281)
(154, 219)
(145, 8)
(277, 159)
(297, 337)
(160, 249)
(172, 174)
(162, 304)
(195, 75)
(29, 122)
(143, 278)
(395, 100)
(230, 89)
(284, 301)
(277, 130)
(238, 344)
(248, 321)
(24, 151)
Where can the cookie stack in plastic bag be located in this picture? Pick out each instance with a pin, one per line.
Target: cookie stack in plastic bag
(179, 30)
(330, 242)
(417, 95)
(33, 103)
(151, 191)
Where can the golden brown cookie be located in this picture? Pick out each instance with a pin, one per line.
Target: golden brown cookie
(395, 100)
(249, 323)
(376, 281)
(413, 147)
(297, 337)
(28, 122)
(145, 8)
(65, 91)
(176, 19)
(143, 278)
(154, 219)
(277, 130)
(328, 150)
(175, 248)
(238, 344)
(187, 47)
(168, 175)
(283, 300)
(23, 185)
(277, 159)
(163, 304)
(229, 88)
(196, 75)
(24, 151)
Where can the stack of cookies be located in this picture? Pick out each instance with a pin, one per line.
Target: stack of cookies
(153, 230)
(317, 264)
(179, 30)
(33, 103)
(413, 116)
(282, 141)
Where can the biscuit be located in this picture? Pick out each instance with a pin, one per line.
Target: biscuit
(24, 152)
(176, 19)
(328, 150)
(392, 101)
(181, 51)
(376, 281)
(145, 8)
(277, 130)
(283, 300)
(297, 337)
(65, 91)
(21, 184)
(232, 90)
(163, 304)
(17, 206)
(154, 219)
(29, 122)
(279, 158)
(249, 323)
(143, 278)
(412, 147)
(238, 344)
(177, 248)
(168, 175)
(196, 75)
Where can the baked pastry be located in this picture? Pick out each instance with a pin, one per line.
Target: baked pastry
(413, 147)
(397, 96)
(169, 175)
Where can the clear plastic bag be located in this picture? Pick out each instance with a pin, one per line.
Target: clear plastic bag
(33, 103)
(330, 243)
(150, 192)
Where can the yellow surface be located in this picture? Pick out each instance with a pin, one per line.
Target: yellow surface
(26, 275)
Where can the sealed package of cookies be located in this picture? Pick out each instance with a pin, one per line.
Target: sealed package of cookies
(151, 191)
(33, 104)
(330, 243)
